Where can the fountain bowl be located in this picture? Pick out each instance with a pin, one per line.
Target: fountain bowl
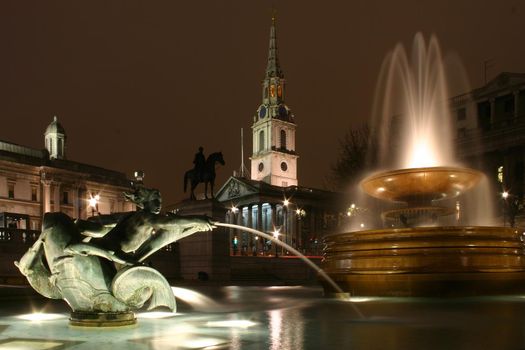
(421, 184)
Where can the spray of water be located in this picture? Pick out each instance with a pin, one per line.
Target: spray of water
(295, 252)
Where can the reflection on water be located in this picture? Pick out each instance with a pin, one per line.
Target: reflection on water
(261, 318)
(286, 329)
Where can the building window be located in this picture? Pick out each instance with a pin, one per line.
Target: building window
(34, 194)
(484, 115)
(272, 90)
(261, 141)
(10, 190)
(283, 139)
(461, 114)
(65, 197)
(500, 174)
(59, 150)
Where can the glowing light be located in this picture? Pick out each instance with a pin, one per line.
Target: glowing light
(505, 195)
(156, 314)
(194, 299)
(276, 233)
(298, 211)
(381, 189)
(234, 209)
(422, 154)
(352, 206)
(362, 225)
(38, 317)
(359, 299)
(286, 202)
(231, 324)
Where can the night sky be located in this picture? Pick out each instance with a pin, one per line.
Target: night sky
(141, 84)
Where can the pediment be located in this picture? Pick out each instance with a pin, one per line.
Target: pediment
(234, 188)
(502, 81)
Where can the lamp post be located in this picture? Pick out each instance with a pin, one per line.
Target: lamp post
(504, 196)
(93, 203)
(235, 240)
(276, 236)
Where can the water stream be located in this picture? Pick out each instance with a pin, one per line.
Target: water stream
(298, 254)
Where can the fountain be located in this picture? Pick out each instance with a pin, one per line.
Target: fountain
(97, 266)
(415, 256)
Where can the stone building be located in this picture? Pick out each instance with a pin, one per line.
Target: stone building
(490, 126)
(36, 181)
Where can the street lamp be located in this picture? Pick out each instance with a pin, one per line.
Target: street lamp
(504, 196)
(276, 234)
(93, 203)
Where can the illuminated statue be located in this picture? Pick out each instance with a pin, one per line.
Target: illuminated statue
(97, 266)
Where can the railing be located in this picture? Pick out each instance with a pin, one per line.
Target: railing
(17, 236)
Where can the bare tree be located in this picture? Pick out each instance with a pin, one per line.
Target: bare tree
(356, 156)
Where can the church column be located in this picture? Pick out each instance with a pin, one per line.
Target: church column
(249, 223)
(259, 217)
(293, 234)
(46, 196)
(273, 216)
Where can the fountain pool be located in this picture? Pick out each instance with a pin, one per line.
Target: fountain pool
(278, 318)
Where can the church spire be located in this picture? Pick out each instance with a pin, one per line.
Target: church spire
(273, 69)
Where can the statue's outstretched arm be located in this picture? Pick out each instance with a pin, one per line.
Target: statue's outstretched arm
(170, 229)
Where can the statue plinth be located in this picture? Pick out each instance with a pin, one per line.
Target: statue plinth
(102, 319)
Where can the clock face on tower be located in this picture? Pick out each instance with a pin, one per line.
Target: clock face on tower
(261, 166)
(284, 166)
(262, 112)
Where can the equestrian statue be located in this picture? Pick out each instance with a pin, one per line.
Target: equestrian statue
(203, 171)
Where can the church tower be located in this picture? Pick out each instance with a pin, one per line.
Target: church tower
(274, 160)
(55, 139)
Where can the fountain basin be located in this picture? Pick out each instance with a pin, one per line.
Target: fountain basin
(421, 184)
(427, 261)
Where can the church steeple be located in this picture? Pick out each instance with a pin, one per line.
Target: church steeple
(273, 69)
(274, 159)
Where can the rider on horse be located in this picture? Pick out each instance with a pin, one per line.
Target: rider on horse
(200, 162)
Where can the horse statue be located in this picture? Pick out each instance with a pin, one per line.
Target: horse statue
(207, 176)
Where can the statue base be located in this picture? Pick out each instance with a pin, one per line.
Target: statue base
(102, 319)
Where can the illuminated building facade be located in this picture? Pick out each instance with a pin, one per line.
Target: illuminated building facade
(37, 181)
